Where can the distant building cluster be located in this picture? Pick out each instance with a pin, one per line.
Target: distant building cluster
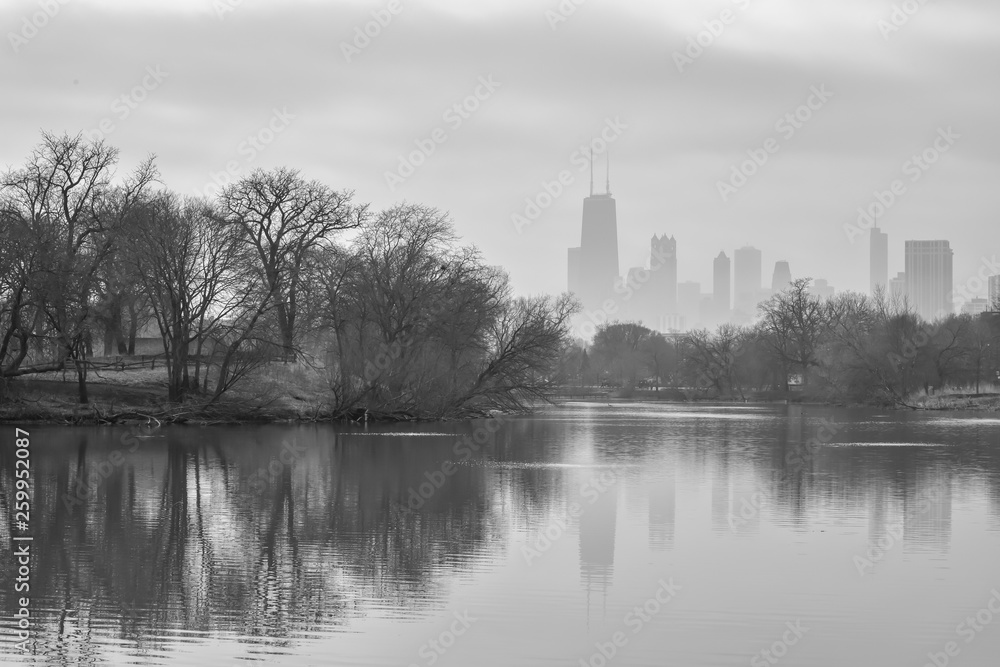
(652, 294)
(927, 283)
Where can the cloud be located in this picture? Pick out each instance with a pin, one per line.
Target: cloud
(354, 119)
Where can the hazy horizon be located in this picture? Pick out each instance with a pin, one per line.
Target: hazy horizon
(214, 72)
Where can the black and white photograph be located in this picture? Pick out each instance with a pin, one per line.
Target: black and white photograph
(495, 333)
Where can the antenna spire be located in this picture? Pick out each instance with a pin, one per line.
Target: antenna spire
(591, 172)
(607, 187)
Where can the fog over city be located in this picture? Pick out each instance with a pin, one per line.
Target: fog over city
(474, 107)
(493, 333)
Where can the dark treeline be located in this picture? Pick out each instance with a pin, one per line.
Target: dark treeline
(386, 310)
(851, 348)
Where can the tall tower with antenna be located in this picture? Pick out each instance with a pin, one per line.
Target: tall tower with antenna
(607, 187)
(878, 260)
(593, 266)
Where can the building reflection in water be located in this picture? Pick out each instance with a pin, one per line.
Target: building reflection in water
(597, 540)
(271, 533)
(662, 504)
(720, 495)
(879, 522)
(927, 508)
(993, 493)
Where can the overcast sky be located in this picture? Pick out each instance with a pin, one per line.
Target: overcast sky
(201, 76)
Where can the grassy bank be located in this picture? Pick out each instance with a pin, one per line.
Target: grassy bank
(957, 401)
(276, 393)
(141, 395)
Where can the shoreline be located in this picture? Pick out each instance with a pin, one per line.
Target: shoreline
(55, 413)
(939, 403)
(54, 402)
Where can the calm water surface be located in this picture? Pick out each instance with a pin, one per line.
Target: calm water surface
(664, 534)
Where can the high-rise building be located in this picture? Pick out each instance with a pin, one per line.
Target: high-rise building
(593, 266)
(822, 289)
(746, 280)
(878, 264)
(669, 323)
(708, 313)
(722, 286)
(781, 278)
(634, 298)
(994, 294)
(689, 303)
(897, 287)
(929, 278)
(975, 306)
(662, 284)
(573, 259)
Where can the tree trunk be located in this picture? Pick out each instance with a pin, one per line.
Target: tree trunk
(118, 331)
(108, 341)
(197, 364)
(133, 328)
(81, 377)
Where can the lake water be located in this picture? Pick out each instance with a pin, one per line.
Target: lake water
(639, 534)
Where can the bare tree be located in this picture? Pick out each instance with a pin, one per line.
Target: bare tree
(64, 201)
(20, 316)
(714, 358)
(283, 218)
(794, 320)
(618, 350)
(660, 358)
(979, 339)
(194, 272)
(523, 345)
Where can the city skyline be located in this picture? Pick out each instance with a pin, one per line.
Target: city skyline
(675, 135)
(653, 294)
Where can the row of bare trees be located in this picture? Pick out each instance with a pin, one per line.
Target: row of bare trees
(398, 315)
(853, 347)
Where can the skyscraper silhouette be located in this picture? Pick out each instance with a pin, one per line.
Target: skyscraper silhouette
(722, 286)
(662, 281)
(689, 303)
(746, 283)
(878, 269)
(593, 266)
(929, 278)
(782, 276)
